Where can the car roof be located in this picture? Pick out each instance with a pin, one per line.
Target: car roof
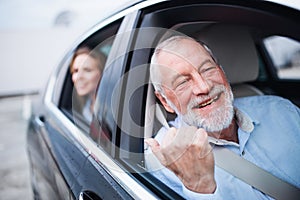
(294, 4)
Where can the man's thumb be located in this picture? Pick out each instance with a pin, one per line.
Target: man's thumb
(153, 144)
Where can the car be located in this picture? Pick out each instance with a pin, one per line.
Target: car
(72, 158)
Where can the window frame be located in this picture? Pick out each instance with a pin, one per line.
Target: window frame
(65, 102)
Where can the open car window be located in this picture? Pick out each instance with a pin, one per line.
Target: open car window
(79, 108)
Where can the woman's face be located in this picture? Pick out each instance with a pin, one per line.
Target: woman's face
(85, 74)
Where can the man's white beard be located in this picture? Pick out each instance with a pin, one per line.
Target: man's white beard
(214, 121)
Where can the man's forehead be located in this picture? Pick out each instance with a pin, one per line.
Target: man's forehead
(169, 57)
(171, 63)
(173, 60)
(180, 47)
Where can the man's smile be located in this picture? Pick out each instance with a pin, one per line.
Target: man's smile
(207, 102)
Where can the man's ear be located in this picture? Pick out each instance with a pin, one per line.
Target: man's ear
(164, 102)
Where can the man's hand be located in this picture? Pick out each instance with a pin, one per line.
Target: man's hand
(188, 154)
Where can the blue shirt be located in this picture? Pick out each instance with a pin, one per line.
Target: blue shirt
(269, 136)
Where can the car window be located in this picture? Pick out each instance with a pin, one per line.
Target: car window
(83, 77)
(145, 116)
(285, 55)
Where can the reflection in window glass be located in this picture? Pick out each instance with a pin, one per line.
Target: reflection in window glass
(285, 54)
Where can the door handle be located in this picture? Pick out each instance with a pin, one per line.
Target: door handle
(40, 120)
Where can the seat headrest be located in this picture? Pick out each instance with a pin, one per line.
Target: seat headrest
(234, 49)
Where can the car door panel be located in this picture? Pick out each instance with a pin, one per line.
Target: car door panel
(44, 162)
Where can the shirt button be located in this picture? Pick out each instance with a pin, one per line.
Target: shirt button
(243, 153)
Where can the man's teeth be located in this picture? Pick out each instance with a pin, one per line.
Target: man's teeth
(208, 102)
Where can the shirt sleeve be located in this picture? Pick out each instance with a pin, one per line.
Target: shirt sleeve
(198, 196)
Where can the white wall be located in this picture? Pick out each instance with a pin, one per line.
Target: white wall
(29, 56)
(32, 43)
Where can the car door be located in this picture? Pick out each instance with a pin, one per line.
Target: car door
(92, 180)
(64, 167)
(44, 183)
(95, 181)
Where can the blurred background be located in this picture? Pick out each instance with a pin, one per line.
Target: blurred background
(34, 35)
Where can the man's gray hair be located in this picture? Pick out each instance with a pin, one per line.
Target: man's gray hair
(169, 45)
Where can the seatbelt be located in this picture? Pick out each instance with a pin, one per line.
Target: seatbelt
(254, 175)
(246, 171)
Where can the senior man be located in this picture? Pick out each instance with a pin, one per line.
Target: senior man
(264, 130)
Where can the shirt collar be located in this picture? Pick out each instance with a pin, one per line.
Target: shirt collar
(244, 121)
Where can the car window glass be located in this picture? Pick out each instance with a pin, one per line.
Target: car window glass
(86, 66)
(285, 55)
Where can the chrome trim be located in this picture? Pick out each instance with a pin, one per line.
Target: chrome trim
(130, 185)
(81, 196)
(50, 89)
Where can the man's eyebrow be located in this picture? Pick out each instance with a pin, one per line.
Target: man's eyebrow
(203, 63)
(175, 77)
(178, 75)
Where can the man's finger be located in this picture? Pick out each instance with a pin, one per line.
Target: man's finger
(185, 136)
(155, 147)
(202, 138)
(169, 137)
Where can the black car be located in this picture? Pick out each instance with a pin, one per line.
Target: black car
(72, 158)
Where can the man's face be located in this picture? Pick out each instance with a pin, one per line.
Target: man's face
(195, 87)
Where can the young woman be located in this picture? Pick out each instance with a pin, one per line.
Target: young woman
(86, 69)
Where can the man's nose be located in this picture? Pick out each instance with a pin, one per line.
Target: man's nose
(201, 85)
